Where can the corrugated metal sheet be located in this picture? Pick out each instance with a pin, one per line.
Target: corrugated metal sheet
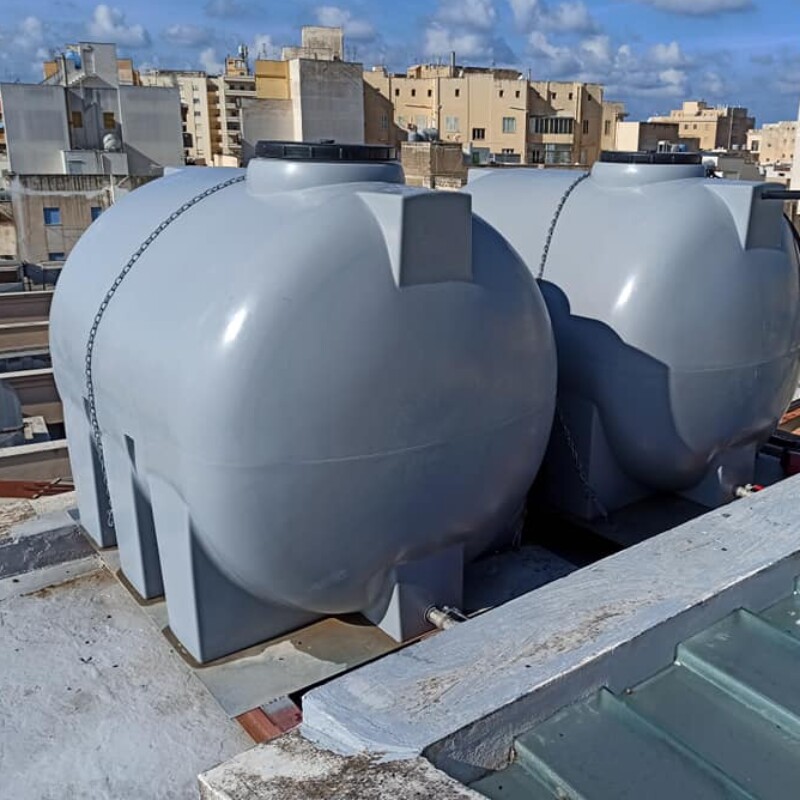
(722, 721)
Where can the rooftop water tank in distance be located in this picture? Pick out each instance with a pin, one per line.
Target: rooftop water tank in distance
(314, 390)
(675, 306)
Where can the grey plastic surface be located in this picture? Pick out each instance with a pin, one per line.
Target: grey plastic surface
(320, 392)
(676, 311)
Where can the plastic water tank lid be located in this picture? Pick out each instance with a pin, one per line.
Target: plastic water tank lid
(615, 157)
(324, 151)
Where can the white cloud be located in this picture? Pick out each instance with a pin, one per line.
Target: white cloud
(571, 16)
(108, 24)
(187, 35)
(210, 62)
(29, 33)
(468, 28)
(700, 8)
(479, 15)
(440, 40)
(334, 17)
(263, 46)
(668, 55)
(713, 84)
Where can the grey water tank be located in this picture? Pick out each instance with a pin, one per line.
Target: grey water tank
(315, 390)
(675, 306)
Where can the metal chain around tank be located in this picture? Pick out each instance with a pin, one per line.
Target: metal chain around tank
(589, 491)
(89, 366)
(554, 221)
(582, 476)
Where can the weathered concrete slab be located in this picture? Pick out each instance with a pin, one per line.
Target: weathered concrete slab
(291, 768)
(460, 697)
(94, 703)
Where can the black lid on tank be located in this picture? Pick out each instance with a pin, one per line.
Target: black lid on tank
(614, 157)
(324, 151)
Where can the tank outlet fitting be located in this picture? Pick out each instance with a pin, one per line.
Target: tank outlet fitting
(747, 490)
(444, 617)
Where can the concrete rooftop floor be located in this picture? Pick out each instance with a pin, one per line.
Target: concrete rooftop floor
(94, 703)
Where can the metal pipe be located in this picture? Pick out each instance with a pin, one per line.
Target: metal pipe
(444, 617)
(781, 194)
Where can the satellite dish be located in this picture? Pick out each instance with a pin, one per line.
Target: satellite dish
(111, 144)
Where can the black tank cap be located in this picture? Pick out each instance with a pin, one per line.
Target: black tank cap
(615, 157)
(324, 151)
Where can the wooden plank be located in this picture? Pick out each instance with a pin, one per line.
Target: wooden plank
(25, 306)
(22, 335)
(258, 726)
(44, 461)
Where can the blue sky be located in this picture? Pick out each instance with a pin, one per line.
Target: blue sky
(649, 53)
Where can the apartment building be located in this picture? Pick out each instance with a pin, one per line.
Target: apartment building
(652, 137)
(773, 144)
(716, 128)
(82, 120)
(192, 87)
(498, 115)
(73, 143)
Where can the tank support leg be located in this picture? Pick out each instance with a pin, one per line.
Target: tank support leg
(415, 587)
(88, 476)
(133, 519)
(208, 614)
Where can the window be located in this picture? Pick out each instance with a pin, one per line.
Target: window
(507, 151)
(553, 95)
(76, 119)
(754, 146)
(52, 216)
(430, 93)
(509, 125)
(516, 94)
(551, 154)
(96, 211)
(397, 93)
(413, 92)
(500, 93)
(585, 127)
(59, 256)
(607, 127)
(479, 133)
(401, 120)
(571, 95)
(451, 124)
(384, 122)
(109, 123)
(458, 92)
(421, 122)
(558, 125)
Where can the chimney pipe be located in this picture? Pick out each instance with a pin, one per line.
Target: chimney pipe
(452, 63)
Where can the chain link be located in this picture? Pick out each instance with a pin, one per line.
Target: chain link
(90, 344)
(588, 490)
(559, 208)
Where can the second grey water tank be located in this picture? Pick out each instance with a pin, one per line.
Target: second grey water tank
(315, 391)
(675, 306)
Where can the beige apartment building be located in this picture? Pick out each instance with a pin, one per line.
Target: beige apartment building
(497, 115)
(651, 137)
(195, 110)
(773, 143)
(715, 128)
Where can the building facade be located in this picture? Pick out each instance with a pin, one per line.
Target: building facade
(715, 128)
(497, 115)
(773, 144)
(51, 212)
(192, 87)
(81, 120)
(652, 137)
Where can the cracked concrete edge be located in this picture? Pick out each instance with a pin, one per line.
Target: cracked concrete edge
(292, 768)
(462, 696)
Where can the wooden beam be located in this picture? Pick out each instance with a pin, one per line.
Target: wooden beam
(44, 461)
(25, 306)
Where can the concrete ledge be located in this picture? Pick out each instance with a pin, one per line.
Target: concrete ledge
(35, 542)
(291, 768)
(460, 697)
